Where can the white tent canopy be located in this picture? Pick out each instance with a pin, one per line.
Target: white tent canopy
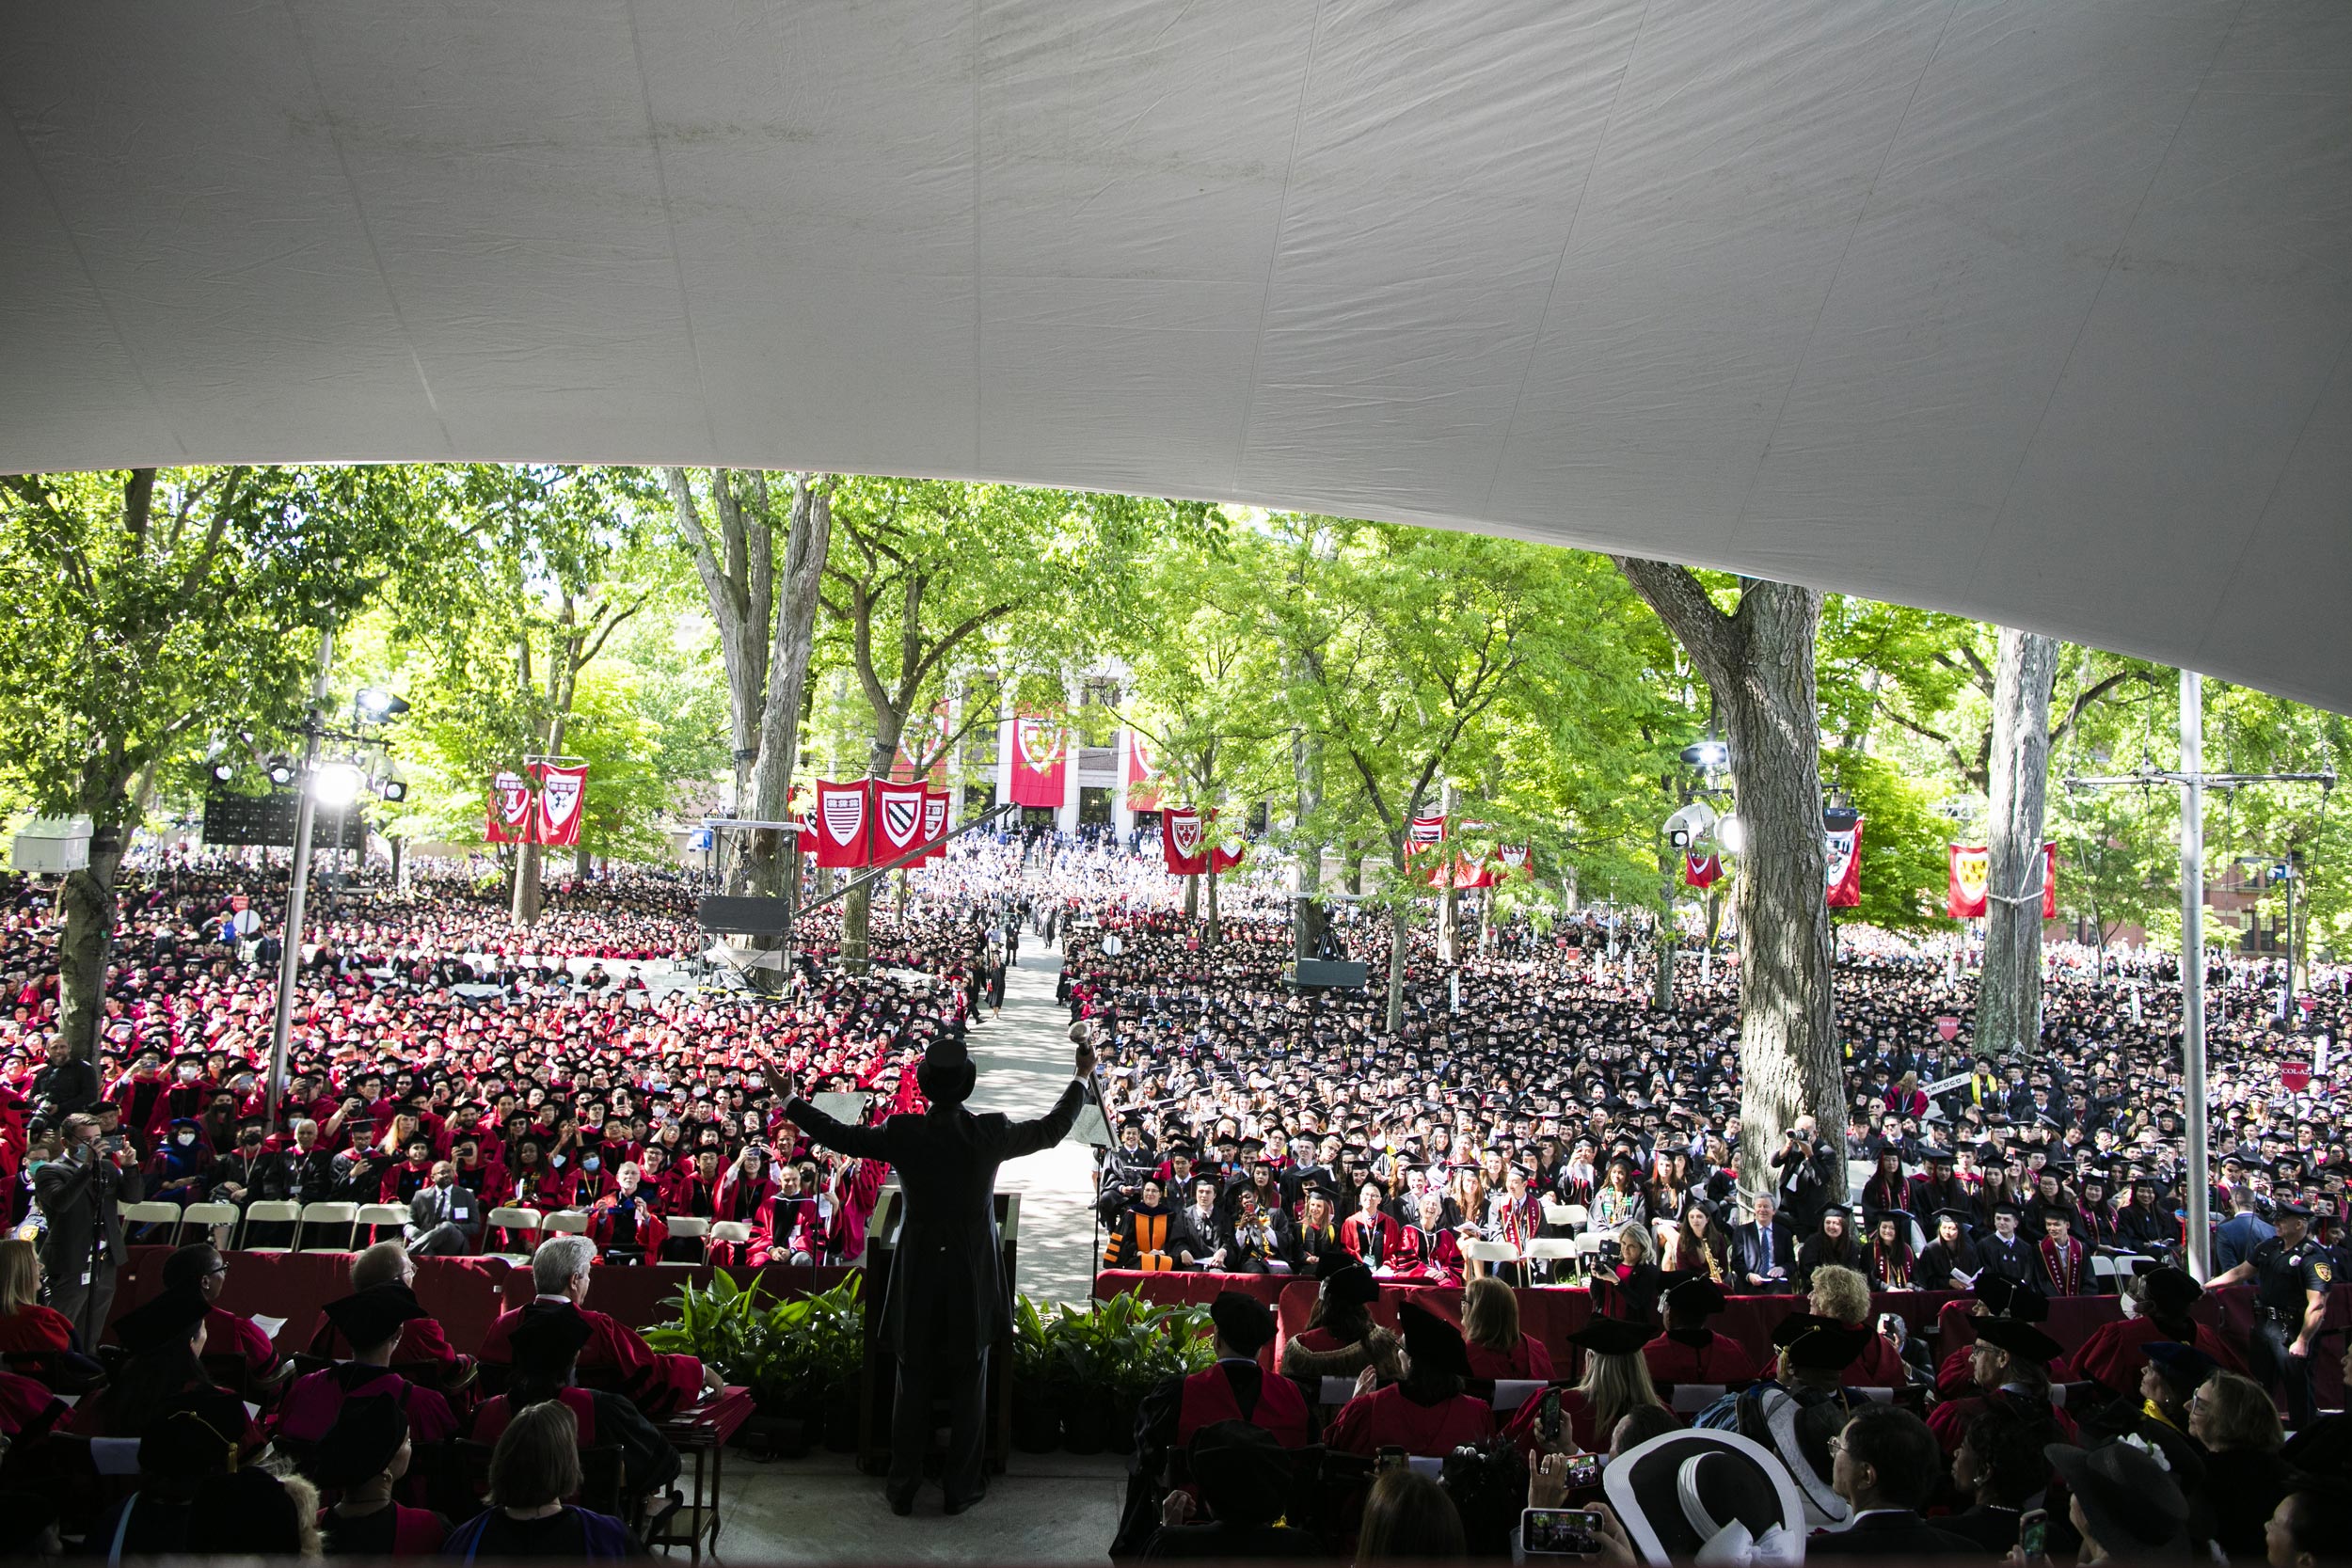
(2037, 311)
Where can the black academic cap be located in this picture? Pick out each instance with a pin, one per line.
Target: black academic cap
(2011, 1298)
(360, 1445)
(171, 1317)
(1819, 1344)
(1241, 1320)
(1698, 1295)
(2019, 1338)
(374, 1315)
(1433, 1344)
(550, 1334)
(194, 1436)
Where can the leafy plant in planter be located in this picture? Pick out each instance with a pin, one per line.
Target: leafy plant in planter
(1111, 1356)
(1037, 1368)
(798, 1357)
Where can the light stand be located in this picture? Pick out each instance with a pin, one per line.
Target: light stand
(2193, 780)
(306, 812)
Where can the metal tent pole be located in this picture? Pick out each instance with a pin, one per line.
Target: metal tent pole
(2198, 1176)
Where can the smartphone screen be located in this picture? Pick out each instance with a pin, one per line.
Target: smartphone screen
(1583, 1469)
(1559, 1532)
(1548, 1419)
(2033, 1534)
(1389, 1457)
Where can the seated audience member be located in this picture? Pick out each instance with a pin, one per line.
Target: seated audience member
(2009, 1365)
(1996, 1471)
(747, 1198)
(1425, 1412)
(198, 1267)
(2123, 1502)
(1340, 1339)
(25, 1325)
(1885, 1464)
(194, 1498)
(534, 1466)
(2113, 1354)
(165, 1338)
(444, 1216)
(2310, 1526)
(1490, 1327)
(1243, 1475)
(1800, 1409)
(1844, 1294)
(1688, 1351)
(1615, 1382)
(1409, 1518)
(1139, 1236)
(421, 1339)
(2245, 1477)
(655, 1383)
(2156, 1413)
(628, 1222)
(363, 1456)
(372, 1321)
(546, 1344)
(1832, 1244)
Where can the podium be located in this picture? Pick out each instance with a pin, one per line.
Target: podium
(878, 1371)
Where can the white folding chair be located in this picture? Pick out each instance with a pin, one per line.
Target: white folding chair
(525, 1220)
(690, 1228)
(1554, 1250)
(1577, 1214)
(566, 1222)
(1882, 1396)
(1490, 1252)
(369, 1215)
(1337, 1392)
(210, 1217)
(152, 1213)
(326, 1215)
(1556, 1212)
(1692, 1398)
(269, 1210)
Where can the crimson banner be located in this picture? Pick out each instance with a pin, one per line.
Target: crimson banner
(1222, 861)
(1516, 861)
(1843, 880)
(1182, 842)
(1971, 868)
(1702, 870)
(1142, 775)
(841, 823)
(936, 803)
(563, 801)
(898, 826)
(512, 810)
(1040, 759)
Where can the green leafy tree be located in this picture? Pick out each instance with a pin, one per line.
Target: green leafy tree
(144, 613)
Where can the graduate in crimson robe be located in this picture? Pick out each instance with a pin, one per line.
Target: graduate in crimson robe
(2011, 1365)
(655, 1383)
(1688, 1351)
(747, 1196)
(1427, 1414)
(1371, 1237)
(373, 1321)
(2116, 1352)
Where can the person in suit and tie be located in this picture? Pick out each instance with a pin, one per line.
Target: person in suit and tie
(948, 1300)
(81, 1194)
(1764, 1252)
(444, 1218)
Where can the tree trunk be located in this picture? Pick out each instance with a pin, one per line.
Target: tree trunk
(399, 847)
(771, 861)
(1216, 927)
(2009, 993)
(1663, 938)
(526, 899)
(1192, 898)
(1396, 1024)
(1759, 662)
(86, 946)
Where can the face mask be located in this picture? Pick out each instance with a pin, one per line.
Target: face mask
(591, 1163)
(184, 1139)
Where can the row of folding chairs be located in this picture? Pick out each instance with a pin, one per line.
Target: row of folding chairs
(337, 1227)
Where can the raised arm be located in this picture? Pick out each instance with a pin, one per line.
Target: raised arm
(1027, 1137)
(865, 1142)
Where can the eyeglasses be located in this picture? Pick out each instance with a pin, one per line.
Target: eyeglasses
(1837, 1445)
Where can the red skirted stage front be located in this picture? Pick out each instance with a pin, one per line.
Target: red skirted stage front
(1551, 1313)
(467, 1294)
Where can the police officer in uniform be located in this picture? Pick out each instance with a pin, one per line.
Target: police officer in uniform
(2291, 1276)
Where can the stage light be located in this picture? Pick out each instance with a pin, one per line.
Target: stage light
(1708, 755)
(336, 784)
(380, 705)
(1732, 834)
(395, 790)
(282, 772)
(222, 772)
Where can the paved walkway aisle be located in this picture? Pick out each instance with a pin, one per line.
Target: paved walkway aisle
(1024, 1058)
